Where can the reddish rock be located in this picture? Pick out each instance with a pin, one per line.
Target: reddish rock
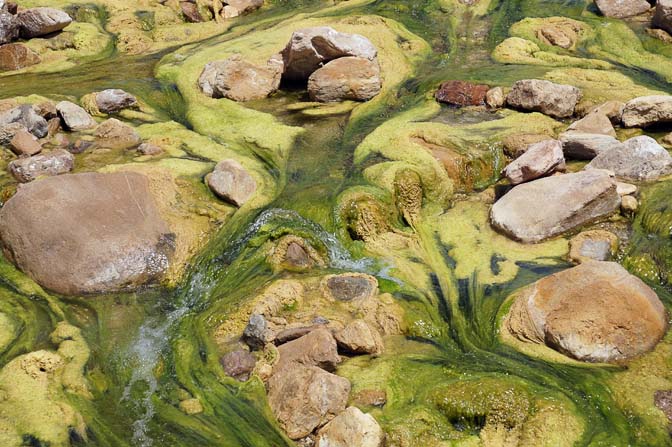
(15, 56)
(191, 13)
(25, 143)
(239, 364)
(462, 93)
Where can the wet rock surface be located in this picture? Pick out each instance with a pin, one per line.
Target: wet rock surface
(620, 9)
(135, 246)
(239, 364)
(350, 287)
(595, 312)
(115, 100)
(351, 428)
(114, 134)
(596, 245)
(462, 93)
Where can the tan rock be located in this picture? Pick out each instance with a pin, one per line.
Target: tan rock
(346, 78)
(594, 123)
(586, 146)
(495, 98)
(231, 182)
(15, 56)
(539, 160)
(629, 204)
(625, 189)
(613, 110)
(317, 348)
(75, 117)
(352, 428)
(239, 80)
(621, 9)
(648, 110)
(359, 337)
(114, 134)
(555, 100)
(593, 245)
(25, 143)
(515, 145)
(37, 22)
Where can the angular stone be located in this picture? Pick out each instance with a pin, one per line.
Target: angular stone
(257, 332)
(595, 123)
(114, 100)
(310, 48)
(25, 116)
(50, 164)
(9, 28)
(103, 231)
(613, 110)
(596, 312)
(462, 93)
(495, 98)
(316, 348)
(352, 428)
(556, 35)
(239, 80)
(586, 146)
(114, 134)
(36, 22)
(593, 245)
(556, 100)
(539, 160)
(231, 182)
(359, 337)
(346, 78)
(639, 159)
(75, 117)
(663, 15)
(515, 145)
(15, 56)
(538, 210)
(25, 143)
(241, 7)
(190, 12)
(621, 9)
(648, 110)
(239, 364)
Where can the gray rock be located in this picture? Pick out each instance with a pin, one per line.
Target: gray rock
(310, 48)
(9, 28)
(114, 100)
(639, 159)
(592, 245)
(539, 160)
(663, 17)
(648, 110)
(256, 334)
(231, 182)
(620, 9)
(26, 116)
(52, 163)
(346, 78)
(586, 146)
(75, 117)
(36, 22)
(547, 207)
(556, 100)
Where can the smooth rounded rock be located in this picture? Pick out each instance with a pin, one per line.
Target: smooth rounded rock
(231, 182)
(114, 100)
(347, 78)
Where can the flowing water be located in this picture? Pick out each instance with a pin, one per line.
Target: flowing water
(149, 346)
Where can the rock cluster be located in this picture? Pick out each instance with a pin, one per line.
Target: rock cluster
(195, 12)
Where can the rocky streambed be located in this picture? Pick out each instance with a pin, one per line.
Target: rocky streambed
(331, 224)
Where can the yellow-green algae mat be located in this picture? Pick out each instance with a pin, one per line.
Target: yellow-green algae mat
(359, 182)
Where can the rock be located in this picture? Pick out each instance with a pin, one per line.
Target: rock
(557, 36)
(346, 78)
(25, 143)
(352, 428)
(26, 117)
(629, 204)
(239, 364)
(556, 100)
(595, 312)
(114, 100)
(310, 48)
(350, 287)
(539, 160)
(190, 12)
(149, 149)
(595, 123)
(593, 245)
(46, 110)
(297, 256)
(462, 93)
(53, 126)
(235, 8)
(231, 182)
(639, 159)
(36, 22)
(9, 28)
(293, 333)
(79, 146)
(569, 201)
(625, 189)
(229, 12)
(304, 398)
(648, 110)
(360, 338)
(621, 9)
(191, 406)
(75, 117)
(103, 231)
(613, 110)
(663, 15)
(257, 333)
(495, 98)
(316, 348)
(52, 163)
(114, 134)
(238, 80)
(515, 145)
(368, 397)
(15, 56)
(662, 399)
(586, 146)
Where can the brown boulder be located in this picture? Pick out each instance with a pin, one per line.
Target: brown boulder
(52, 163)
(596, 312)
(103, 232)
(239, 80)
(359, 337)
(114, 134)
(541, 159)
(25, 143)
(15, 56)
(317, 348)
(36, 22)
(462, 93)
(346, 78)
(231, 182)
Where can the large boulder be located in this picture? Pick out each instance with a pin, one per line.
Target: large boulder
(540, 159)
(75, 117)
(304, 398)
(114, 100)
(36, 22)
(239, 80)
(663, 16)
(86, 233)
(347, 78)
(9, 28)
(352, 428)
(547, 207)
(53, 163)
(640, 158)
(586, 146)
(556, 100)
(15, 56)
(463, 93)
(620, 9)
(310, 48)
(648, 110)
(595, 312)
(231, 182)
